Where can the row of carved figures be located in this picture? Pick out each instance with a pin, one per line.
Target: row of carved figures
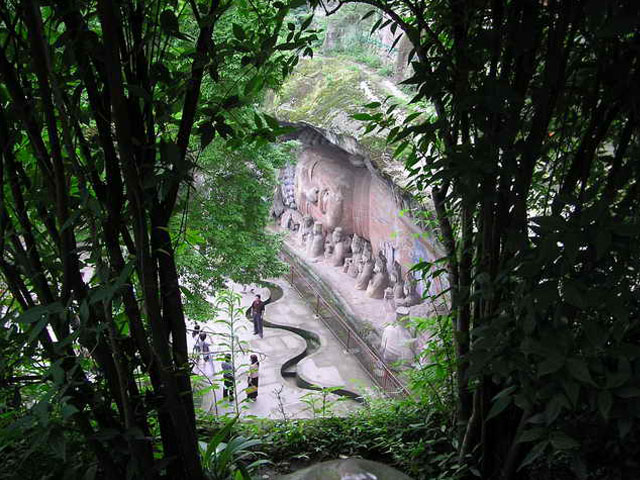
(354, 255)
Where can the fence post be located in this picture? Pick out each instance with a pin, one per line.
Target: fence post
(348, 338)
(317, 304)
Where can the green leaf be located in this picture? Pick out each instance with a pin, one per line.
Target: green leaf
(307, 22)
(507, 391)
(238, 32)
(361, 116)
(368, 14)
(207, 133)
(550, 365)
(573, 295)
(254, 84)
(554, 407)
(34, 313)
(578, 369)
(271, 121)
(624, 426)
(605, 401)
(411, 117)
(498, 406)
(91, 472)
(533, 454)
(37, 329)
(532, 434)
(572, 389)
(58, 444)
(562, 441)
(68, 410)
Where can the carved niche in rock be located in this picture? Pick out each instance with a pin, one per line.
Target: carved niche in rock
(339, 248)
(347, 264)
(316, 245)
(306, 230)
(365, 268)
(328, 248)
(312, 195)
(396, 280)
(356, 250)
(389, 305)
(285, 220)
(324, 188)
(380, 280)
(291, 219)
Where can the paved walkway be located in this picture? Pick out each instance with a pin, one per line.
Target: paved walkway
(329, 366)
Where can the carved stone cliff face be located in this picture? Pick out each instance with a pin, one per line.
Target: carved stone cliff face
(325, 188)
(337, 191)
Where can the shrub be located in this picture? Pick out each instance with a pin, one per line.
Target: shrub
(401, 433)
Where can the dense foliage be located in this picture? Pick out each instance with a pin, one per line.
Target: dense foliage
(527, 151)
(529, 157)
(98, 103)
(405, 434)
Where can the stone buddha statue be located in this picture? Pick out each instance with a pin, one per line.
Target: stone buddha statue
(396, 343)
(347, 264)
(306, 230)
(389, 306)
(339, 248)
(380, 279)
(396, 280)
(365, 268)
(411, 296)
(356, 250)
(328, 248)
(315, 246)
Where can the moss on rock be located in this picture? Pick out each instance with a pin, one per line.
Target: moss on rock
(327, 91)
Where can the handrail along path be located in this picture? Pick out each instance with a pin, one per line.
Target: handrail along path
(372, 363)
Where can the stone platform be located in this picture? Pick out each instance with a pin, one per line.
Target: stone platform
(328, 366)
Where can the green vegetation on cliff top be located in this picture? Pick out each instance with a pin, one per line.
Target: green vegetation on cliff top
(327, 91)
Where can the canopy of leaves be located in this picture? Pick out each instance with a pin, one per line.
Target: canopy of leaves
(530, 156)
(99, 101)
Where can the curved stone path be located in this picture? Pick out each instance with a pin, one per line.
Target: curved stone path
(282, 351)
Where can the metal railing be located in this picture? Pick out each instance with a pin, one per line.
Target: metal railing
(336, 322)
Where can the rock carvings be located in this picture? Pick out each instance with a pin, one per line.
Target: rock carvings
(350, 218)
(306, 230)
(380, 280)
(316, 245)
(356, 254)
(365, 268)
(339, 248)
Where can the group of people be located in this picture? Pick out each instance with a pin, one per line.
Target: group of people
(228, 371)
(228, 376)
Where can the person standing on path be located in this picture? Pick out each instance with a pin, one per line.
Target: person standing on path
(227, 375)
(257, 312)
(252, 389)
(204, 346)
